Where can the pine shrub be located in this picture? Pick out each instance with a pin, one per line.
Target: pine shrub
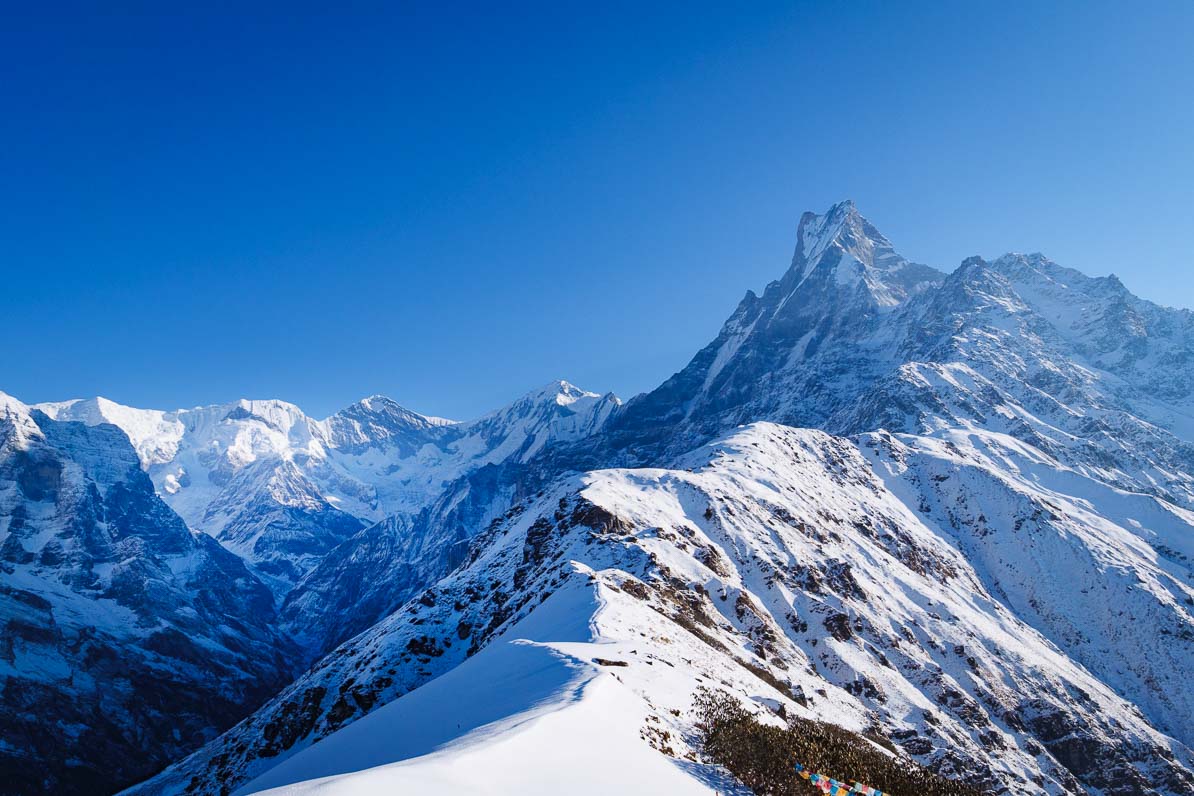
(763, 757)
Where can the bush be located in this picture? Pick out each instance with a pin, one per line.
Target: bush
(763, 757)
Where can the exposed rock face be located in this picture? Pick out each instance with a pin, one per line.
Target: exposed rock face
(126, 640)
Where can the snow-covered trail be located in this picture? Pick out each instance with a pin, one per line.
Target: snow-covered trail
(523, 716)
(589, 746)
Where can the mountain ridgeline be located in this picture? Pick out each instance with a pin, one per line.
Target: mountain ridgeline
(953, 512)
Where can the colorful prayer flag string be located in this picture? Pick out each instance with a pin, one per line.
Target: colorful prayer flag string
(833, 787)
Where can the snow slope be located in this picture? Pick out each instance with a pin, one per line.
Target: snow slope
(531, 695)
(1105, 574)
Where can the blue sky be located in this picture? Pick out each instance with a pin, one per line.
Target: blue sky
(452, 204)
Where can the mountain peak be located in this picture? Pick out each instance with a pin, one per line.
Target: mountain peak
(376, 403)
(845, 249)
(841, 224)
(378, 419)
(558, 390)
(16, 422)
(10, 403)
(852, 245)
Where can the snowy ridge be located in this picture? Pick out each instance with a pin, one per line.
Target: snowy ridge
(535, 693)
(1001, 586)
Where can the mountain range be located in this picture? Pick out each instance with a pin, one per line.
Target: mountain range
(952, 512)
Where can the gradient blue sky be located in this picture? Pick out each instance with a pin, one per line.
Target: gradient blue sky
(451, 205)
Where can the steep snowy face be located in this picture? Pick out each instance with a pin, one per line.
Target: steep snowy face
(843, 248)
(1076, 366)
(788, 567)
(556, 412)
(1105, 574)
(247, 473)
(154, 435)
(1145, 345)
(126, 640)
(282, 490)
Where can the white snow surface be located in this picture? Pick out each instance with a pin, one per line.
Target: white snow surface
(526, 715)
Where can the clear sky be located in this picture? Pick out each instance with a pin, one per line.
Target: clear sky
(451, 205)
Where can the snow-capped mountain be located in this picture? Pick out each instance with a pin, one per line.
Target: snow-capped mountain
(790, 567)
(126, 639)
(797, 352)
(951, 512)
(1072, 364)
(282, 489)
(241, 473)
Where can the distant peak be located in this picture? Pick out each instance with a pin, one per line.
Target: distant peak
(837, 211)
(377, 399)
(1035, 266)
(378, 404)
(560, 390)
(828, 224)
(17, 425)
(8, 402)
(974, 268)
(563, 385)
